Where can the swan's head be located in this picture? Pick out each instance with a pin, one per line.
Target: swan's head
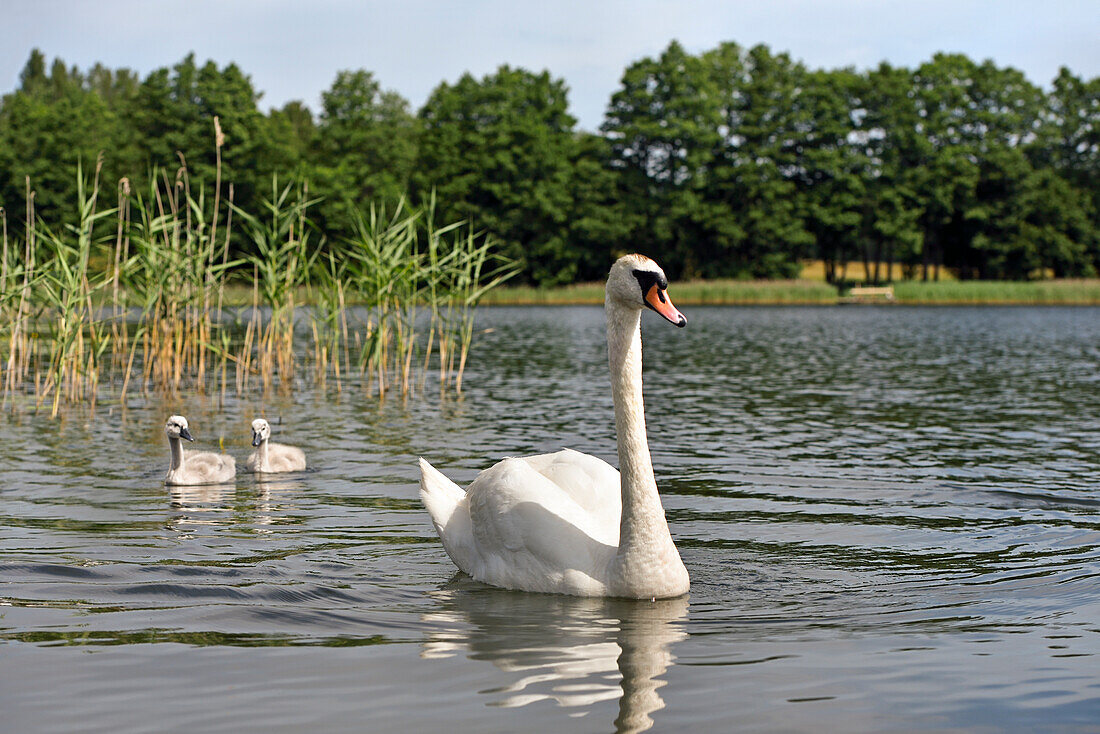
(261, 431)
(176, 427)
(635, 281)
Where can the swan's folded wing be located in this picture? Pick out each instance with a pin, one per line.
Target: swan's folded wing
(209, 466)
(590, 482)
(525, 526)
(286, 458)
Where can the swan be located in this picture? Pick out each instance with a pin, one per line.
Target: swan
(194, 467)
(568, 523)
(272, 457)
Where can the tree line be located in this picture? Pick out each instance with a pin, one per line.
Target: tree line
(734, 162)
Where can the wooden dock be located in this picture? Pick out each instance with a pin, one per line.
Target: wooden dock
(868, 294)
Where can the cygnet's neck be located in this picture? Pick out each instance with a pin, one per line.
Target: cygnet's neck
(261, 455)
(642, 528)
(177, 453)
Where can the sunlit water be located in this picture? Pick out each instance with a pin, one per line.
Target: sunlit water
(891, 518)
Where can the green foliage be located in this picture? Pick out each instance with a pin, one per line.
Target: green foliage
(174, 111)
(663, 128)
(54, 122)
(365, 146)
(733, 162)
(497, 152)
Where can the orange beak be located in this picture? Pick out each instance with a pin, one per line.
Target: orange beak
(657, 299)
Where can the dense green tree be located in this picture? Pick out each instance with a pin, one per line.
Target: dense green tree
(662, 126)
(599, 221)
(1055, 223)
(54, 122)
(831, 169)
(365, 148)
(293, 132)
(1026, 221)
(731, 162)
(756, 180)
(888, 131)
(497, 152)
(1068, 143)
(968, 113)
(174, 116)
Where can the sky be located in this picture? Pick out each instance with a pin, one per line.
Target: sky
(292, 49)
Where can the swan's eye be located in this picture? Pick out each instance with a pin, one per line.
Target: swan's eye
(647, 279)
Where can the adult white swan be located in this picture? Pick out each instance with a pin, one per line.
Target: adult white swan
(567, 523)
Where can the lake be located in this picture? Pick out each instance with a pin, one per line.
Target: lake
(891, 518)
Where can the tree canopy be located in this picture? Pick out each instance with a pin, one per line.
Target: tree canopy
(733, 162)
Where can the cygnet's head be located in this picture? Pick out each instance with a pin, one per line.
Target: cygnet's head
(635, 281)
(176, 427)
(261, 431)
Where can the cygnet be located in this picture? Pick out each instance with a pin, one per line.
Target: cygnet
(194, 467)
(272, 457)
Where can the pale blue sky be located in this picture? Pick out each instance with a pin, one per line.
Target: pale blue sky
(293, 49)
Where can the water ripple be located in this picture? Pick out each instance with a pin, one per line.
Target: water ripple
(891, 517)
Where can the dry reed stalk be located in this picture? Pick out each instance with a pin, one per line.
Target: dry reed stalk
(169, 267)
(4, 256)
(225, 250)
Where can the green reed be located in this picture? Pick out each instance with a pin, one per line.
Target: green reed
(464, 267)
(172, 274)
(328, 318)
(131, 298)
(384, 271)
(66, 296)
(281, 264)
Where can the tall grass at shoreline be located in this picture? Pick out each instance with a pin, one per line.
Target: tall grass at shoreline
(1070, 291)
(137, 303)
(718, 292)
(1077, 292)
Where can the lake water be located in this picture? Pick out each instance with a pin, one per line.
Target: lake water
(891, 518)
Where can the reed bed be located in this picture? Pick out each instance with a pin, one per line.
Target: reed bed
(131, 299)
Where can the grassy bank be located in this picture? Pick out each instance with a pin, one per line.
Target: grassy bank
(793, 292)
(1076, 292)
(811, 292)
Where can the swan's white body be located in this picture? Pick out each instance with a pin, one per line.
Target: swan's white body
(567, 522)
(272, 457)
(194, 467)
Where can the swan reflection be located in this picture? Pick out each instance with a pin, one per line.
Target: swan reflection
(270, 500)
(202, 498)
(228, 504)
(571, 650)
(207, 504)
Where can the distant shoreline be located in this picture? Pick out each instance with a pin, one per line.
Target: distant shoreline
(1068, 292)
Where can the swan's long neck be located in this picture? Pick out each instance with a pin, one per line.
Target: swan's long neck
(643, 531)
(177, 453)
(261, 455)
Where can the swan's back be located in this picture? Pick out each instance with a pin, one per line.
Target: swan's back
(541, 523)
(280, 458)
(203, 467)
(590, 481)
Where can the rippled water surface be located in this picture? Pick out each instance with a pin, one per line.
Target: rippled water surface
(891, 518)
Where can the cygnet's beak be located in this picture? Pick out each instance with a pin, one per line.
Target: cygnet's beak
(657, 299)
(184, 433)
(256, 440)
